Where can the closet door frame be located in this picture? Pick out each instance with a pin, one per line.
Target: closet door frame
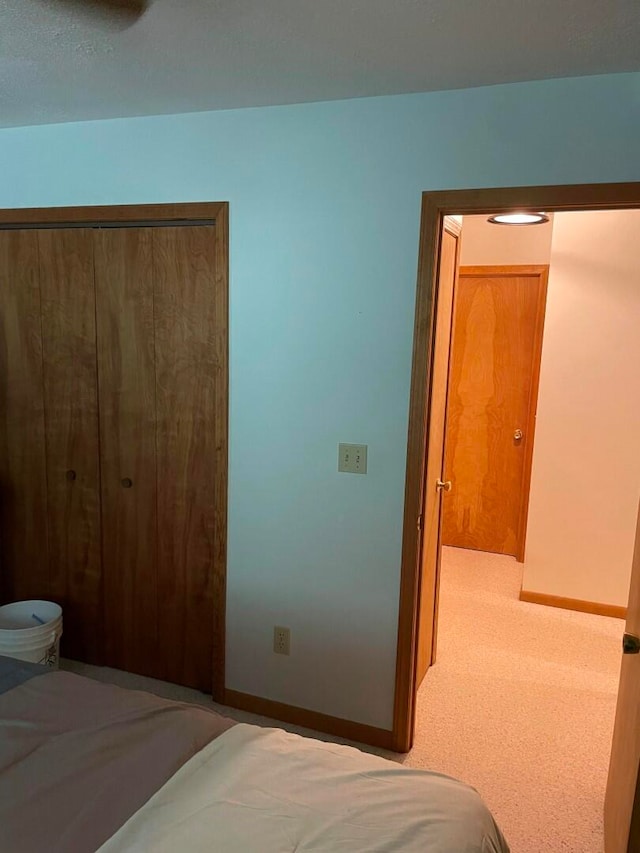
(209, 213)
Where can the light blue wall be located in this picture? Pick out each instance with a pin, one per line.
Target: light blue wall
(325, 202)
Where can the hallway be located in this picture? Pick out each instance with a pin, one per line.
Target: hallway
(520, 704)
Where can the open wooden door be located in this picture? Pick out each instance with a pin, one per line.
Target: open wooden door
(433, 485)
(622, 802)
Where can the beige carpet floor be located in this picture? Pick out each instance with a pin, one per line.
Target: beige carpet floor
(520, 704)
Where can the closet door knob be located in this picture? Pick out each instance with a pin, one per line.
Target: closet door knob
(126, 483)
(71, 475)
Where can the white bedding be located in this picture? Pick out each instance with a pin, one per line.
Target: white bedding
(264, 790)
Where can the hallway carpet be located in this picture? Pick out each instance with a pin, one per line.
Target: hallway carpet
(520, 704)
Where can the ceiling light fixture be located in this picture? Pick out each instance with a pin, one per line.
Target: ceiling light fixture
(518, 218)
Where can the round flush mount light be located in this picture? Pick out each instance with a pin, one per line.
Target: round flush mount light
(518, 218)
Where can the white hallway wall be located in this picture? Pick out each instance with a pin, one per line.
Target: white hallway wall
(484, 244)
(325, 209)
(586, 465)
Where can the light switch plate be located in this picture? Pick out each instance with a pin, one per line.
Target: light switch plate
(352, 458)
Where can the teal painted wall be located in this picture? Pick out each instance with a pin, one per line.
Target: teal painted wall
(325, 202)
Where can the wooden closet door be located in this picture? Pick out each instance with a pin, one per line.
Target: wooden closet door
(24, 567)
(126, 370)
(72, 440)
(184, 272)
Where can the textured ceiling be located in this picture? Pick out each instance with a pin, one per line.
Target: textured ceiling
(61, 62)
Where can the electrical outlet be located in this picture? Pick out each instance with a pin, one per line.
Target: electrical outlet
(352, 458)
(281, 640)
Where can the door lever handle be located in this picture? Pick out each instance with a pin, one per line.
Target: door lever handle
(630, 644)
(443, 485)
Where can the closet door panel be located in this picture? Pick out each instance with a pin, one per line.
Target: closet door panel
(184, 266)
(126, 370)
(72, 440)
(24, 569)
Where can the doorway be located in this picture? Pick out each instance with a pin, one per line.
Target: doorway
(423, 411)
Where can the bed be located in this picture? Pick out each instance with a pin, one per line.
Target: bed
(87, 766)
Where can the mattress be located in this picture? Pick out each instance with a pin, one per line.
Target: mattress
(78, 757)
(87, 766)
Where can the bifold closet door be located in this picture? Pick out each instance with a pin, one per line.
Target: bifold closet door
(24, 556)
(123, 261)
(156, 360)
(72, 438)
(184, 278)
(49, 463)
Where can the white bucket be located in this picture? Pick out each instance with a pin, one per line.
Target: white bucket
(31, 631)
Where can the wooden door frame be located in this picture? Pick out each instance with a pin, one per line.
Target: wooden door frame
(435, 206)
(176, 214)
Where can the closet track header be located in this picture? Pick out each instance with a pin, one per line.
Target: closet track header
(167, 223)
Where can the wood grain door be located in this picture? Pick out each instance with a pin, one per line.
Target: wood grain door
(433, 490)
(24, 553)
(499, 317)
(157, 369)
(127, 394)
(184, 280)
(622, 802)
(72, 440)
